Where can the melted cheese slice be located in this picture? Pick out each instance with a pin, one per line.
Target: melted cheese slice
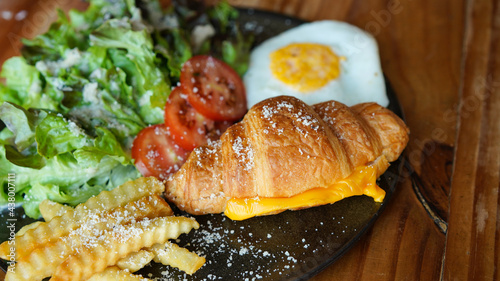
(361, 182)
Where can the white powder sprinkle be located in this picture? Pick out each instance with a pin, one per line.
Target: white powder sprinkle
(75, 129)
(145, 98)
(21, 15)
(90, 93)
(243, 251)
(244, 154)
(6, 15)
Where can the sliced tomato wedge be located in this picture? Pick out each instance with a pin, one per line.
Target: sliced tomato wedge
(156, 154)
(213, 88)
(186, 125)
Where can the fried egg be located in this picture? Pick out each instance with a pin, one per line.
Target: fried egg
(316, 62)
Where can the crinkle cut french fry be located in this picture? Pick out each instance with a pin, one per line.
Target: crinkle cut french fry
(127, 192)
(51, 209)
(44, 232)
(42, 261)
(123, 240)
(173, 255)
(62, 225)
(136, 260)
(28, 227)
(113, 273)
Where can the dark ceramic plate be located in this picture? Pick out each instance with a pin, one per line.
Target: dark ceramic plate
(293, 245)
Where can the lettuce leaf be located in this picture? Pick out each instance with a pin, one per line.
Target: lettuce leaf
(68, 166)
(133, 52)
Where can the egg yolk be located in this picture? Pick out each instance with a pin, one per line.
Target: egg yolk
(305, 67)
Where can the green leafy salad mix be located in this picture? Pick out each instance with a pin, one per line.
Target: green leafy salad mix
(72, 104)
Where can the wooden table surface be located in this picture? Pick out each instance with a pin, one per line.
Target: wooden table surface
(443, 61)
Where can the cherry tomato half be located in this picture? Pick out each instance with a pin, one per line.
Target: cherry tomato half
(186, 125)
(213, 88)
(156, 154)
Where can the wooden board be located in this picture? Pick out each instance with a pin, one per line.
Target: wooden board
(443, 61)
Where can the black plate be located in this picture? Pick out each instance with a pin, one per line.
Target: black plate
(293, 245)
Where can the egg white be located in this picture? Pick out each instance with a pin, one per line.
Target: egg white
(360, 80)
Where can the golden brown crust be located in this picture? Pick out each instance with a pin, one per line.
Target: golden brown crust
(238, 161)
(284, 147)
(359, 141)
(197, 186)
(392, 131)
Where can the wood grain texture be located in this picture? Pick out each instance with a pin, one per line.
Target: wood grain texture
(443, 61)
(472, 244)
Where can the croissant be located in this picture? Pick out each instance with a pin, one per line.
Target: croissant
(284, 149)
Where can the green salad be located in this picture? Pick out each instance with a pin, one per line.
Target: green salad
(72, 104)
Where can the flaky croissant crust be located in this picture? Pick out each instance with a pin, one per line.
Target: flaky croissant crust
(284, 147)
